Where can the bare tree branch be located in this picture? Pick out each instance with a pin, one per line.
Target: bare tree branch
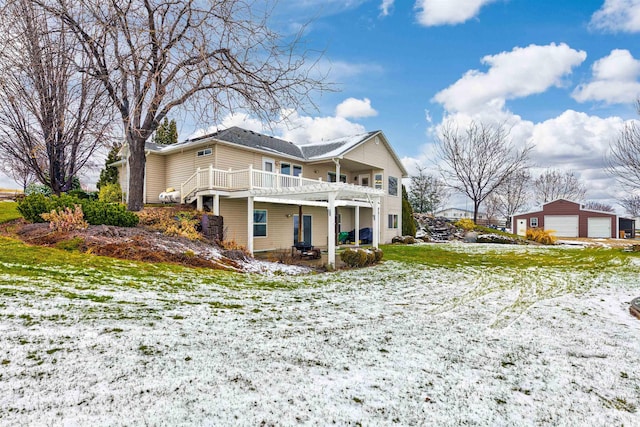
(623, 159)
(479, 159)
(631, 205)
(554, 184)
(153, 56)
(51, 118)
(426, 193)
(598, 206)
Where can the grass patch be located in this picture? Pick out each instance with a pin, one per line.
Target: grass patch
(9, 211)
(522, 258)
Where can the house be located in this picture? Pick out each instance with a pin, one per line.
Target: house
(455, 214)
(262, 186)
(571, 219)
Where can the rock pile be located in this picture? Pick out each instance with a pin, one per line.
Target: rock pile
(437, 229)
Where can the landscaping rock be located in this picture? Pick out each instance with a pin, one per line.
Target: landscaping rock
(496, 238)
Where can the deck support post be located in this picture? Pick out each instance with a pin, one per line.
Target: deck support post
(216, 204)
(250, 225)
(376, 222)
(357, 229)
(331, 230)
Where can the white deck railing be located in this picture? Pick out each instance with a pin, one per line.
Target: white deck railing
(236, 180)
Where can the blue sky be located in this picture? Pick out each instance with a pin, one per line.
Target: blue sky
(564, 75)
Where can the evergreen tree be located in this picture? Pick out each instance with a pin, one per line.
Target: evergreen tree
(109, 175)
(167, 132)
(408, 223)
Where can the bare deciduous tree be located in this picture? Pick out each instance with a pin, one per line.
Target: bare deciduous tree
(479, 159)
(52, 119)
(427, 193)
(154, 56)
(598, 206)
(513, 195)
(623, 158)
(554, 184)
(16, 169)
(631, 205)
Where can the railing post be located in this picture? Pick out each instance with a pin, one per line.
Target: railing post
(210, 176)
(250, 176)
(198, 178)
(229, 179)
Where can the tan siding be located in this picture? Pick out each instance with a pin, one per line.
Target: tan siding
(155, 178)
(179, 167)
(234, 214)
(373, 152)
(203, 162)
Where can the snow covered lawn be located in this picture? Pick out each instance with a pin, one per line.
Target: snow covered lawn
(411, 344)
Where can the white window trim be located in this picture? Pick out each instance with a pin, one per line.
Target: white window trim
(334, 174)
(393, 219)
(292, 167)
(389, 187)
(531, 222)
(266, 224)
(204, 152)
(380, 185)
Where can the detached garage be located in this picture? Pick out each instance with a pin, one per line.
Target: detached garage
(569, 219)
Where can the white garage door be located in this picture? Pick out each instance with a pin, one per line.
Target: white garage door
(599, 227)
(564, 225)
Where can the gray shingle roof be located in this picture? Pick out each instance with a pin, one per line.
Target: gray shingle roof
(251, 139)
(258, 141)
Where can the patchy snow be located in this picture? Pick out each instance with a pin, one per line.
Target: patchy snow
(346, 144)
(395, 344)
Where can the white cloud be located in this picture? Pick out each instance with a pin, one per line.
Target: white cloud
(302, 129)
(617, 15)
(355, 108)
(615, 80)
(447, 12)
(572, 141)
(385, 7)
(515, 74)
(575, 140)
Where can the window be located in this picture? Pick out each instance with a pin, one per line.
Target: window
(393, 186)
(205, 152)
(377, 181)
(533, 222)
(259, 223)
(393, 221)
(289, 169)
(331, 177)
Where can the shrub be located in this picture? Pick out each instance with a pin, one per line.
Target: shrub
(34, 188)
(81, 194)
(361, 257)
(66, 219)
(32, 206)
(110, 193)
(465, 223)
(539, 235)
(172, 223)
(97, 213)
